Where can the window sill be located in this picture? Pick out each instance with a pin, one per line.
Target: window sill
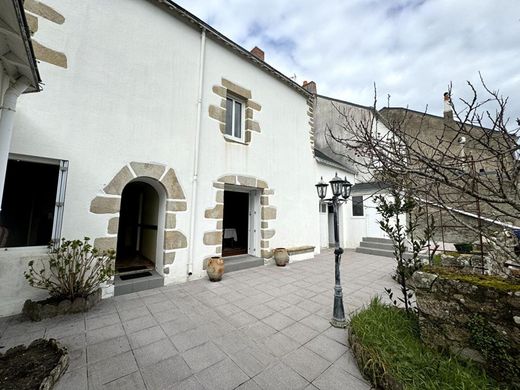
(234, 140)
(31, 249)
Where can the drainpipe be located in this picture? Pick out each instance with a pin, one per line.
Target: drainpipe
(8, 109)
(194, 181)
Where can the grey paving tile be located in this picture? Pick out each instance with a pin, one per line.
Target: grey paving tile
(146, 336)
(249, 385)
(189, 384)
(178, 325)
(241, 319)
(326, 348)
(166, 373)
(106, 333)
(103, 321)
(73, 379)
(280, 376)
(107, 349)
(154, 352)
(132, 381)
(300, 333)
(279, 344)
(347, 363)
(212, 378)
(130, 314)
(337, 334)
(139, 323)
(260, 311)
(334, 378)
(110, 369)
(77, 358)
(74, 342)
(316, 322)
(306, 363)
(258, 331)
(233, 342)
(295, 312)
(203, 356)
(189, 339)
(278, 321)
(252, 360)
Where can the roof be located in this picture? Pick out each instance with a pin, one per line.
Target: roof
(325, 159)
(17, 55)
(369, 186)
(218, 36)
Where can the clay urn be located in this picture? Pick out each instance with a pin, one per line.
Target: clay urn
(215, 269)
(281, 257)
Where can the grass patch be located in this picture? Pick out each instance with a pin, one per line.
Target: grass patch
(391, 353)
(500, 284)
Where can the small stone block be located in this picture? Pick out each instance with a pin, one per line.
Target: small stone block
(169, 258)
(102, 205)
(174, 240)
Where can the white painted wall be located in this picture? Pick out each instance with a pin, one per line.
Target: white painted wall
(130, 94)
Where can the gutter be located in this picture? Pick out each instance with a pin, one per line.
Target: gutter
(194, 182)
(26, 36)
(467, 214)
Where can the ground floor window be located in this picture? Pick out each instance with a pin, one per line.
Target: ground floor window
(357, 206)
(32, 203)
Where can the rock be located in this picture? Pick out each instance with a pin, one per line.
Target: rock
(64, 306)
(423, 280)
(78, 305)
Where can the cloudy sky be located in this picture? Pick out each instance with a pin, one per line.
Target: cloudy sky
(411, 49)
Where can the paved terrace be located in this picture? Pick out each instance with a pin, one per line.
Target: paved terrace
(262, 328)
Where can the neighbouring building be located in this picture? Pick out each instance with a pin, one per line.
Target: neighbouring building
(157, 136)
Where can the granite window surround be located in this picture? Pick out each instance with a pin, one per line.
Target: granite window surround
(228, 89)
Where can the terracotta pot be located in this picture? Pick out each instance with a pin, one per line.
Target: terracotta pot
(281, 257)
(215, 269)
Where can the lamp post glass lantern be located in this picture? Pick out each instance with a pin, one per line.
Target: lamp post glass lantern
(340, 187)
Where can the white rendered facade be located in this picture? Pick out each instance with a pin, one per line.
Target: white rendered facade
(137, 101)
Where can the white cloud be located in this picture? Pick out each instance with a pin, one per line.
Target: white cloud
(411, 49)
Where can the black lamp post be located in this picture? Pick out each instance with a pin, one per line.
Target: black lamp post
(339, 187)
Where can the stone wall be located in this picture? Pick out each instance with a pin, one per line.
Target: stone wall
(446, 307)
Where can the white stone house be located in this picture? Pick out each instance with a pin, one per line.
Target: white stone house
(358, 217)
(157, 136)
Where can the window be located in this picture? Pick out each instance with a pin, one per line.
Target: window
(357, 206)
(234, 117)
(323, 207)
(32, 204)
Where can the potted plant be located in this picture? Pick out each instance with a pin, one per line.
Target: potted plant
(281, 257)
(72, 276)
(464, 247)
(215, 268)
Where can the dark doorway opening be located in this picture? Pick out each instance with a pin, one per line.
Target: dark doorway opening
(236, 223)
(137, 233)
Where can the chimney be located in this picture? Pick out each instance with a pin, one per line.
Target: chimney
(258, 53)
(310, 86)
(448, 106)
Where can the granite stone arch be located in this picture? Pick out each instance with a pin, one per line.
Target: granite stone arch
(267, 212)
(109, 202)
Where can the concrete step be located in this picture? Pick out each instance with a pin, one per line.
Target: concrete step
(376, 245)
(128, 286)
(236, 263)
(377, 239)
(375, 252)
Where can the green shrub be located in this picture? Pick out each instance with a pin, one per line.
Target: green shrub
(391, 351)
(74, 269)
(495, 348)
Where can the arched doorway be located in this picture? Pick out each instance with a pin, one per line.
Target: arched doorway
(138, 246)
